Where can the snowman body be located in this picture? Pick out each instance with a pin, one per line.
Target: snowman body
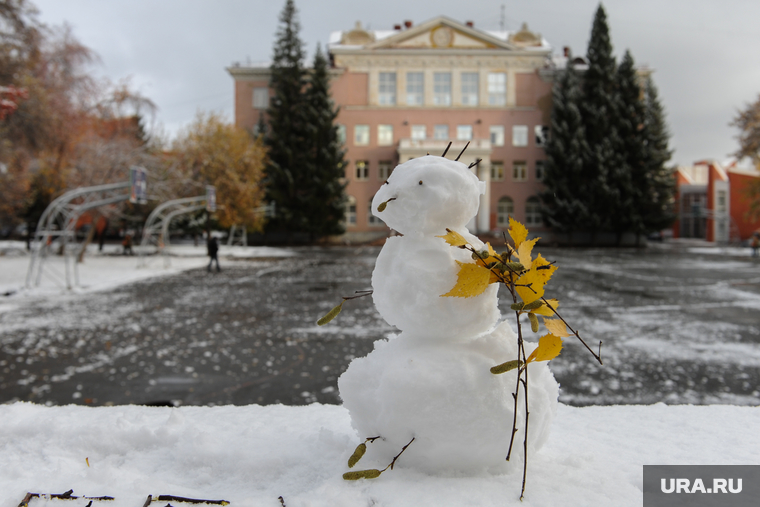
(431, 382)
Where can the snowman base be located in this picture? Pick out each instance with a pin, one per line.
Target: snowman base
(445, 397)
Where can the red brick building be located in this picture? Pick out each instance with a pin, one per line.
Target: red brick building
(408, 91)
(714, 203)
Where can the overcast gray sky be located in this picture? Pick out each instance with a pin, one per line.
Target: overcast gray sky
(705, 54)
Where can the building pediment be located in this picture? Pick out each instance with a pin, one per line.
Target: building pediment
(441, 33)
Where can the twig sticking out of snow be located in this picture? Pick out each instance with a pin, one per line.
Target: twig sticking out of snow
(462, 152)
(68, 495)
(372, 473)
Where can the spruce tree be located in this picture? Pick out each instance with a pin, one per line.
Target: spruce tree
(599, 110)
(326, 204)
(658, 204)
(630, 175)
(287, 180)
(564, 209)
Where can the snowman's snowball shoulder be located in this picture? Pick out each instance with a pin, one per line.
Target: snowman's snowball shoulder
(458, 412)
(428, 194)
(409, 277)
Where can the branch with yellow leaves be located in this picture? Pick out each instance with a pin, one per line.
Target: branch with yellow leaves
(525, 278)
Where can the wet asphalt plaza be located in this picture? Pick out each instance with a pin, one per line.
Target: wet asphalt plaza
(678, 326)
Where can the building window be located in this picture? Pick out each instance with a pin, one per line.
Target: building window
(497, 89)
(384, 135)
(464, 132)
(350, 216)
(469, 88)
(362, 169)
(497, 135)
(387, 89)
(418, 132)
(441, 132)
(533, 212)
(542, 135)
(361, 135)
(384, 169)
(505, 208)
(415, 88)
(497, 171)
(519, 170)
(341, 134)
(372, 220)
(260, 98)
(539, 170)
(442, 88)
(520, 135)
(721, 201)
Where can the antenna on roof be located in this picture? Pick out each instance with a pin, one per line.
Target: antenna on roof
(501, 22)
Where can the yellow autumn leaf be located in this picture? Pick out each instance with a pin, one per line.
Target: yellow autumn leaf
(547, 268)
(453, 238)
(530, 286)
(556, 327)
(549, 347)
(472, 280)
(524, 251)
(544, 308)
(517, 232)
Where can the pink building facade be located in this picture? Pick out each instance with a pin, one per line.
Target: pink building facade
(407, 92)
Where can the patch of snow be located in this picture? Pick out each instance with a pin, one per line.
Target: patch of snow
(254, 454)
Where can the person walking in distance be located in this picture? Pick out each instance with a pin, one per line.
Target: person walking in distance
(213, 250)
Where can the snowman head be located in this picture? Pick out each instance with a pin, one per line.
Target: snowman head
(428, 194)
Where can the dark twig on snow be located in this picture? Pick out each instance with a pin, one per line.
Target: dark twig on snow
(598, 356)
(462, 152)
(478, 161)
(446, 150)
(169, 498)
(68, 495)
(282, 502)
(397, 456)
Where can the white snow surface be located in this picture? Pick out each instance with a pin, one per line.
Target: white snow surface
(108, 270)
(253, 454)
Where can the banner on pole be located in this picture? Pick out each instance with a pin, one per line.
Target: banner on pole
(138, 189)
(210, 198)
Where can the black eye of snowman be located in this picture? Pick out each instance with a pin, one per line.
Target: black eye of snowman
(420, 182)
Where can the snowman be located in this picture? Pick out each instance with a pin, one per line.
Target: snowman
(432, 382)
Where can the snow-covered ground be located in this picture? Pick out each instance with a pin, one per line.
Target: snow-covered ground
(252, 455)
(108, 269)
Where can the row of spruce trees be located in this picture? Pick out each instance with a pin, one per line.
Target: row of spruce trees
(305, 173)
(606, 156)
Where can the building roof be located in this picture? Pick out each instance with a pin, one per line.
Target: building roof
(441, 33)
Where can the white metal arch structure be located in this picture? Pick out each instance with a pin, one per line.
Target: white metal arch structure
(239, 234)
(57, 228)
(156, 229)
